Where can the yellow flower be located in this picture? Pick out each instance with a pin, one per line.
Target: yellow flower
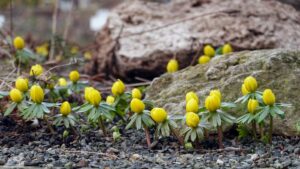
(217, 93)
(36, 94)
(65, 108)
(62, 82)
(227, 49)
(203, 59)
(16, 95)
(159, 115)
(244, 90)
(212, 103)
(74, 50)
(22, 84)
(94, 97)
(191, 95)
(252, 105)
(41, 50)
(269, 97)
(250, 84)
(137, 105)
(36, 70)
(110, 100)
(87, 55)
(136, 93)
(19, 43)
(172, 66)
(74, 76)
(87, 91)
(209, 51)
(118, 88)
(192, 106)
(192, 119)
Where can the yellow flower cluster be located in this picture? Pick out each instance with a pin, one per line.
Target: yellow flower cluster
(118, 88)
(137, 105)
(36, 70)
(192, 119)
(92, 96)
(19, 43)
(159, 115)
(65, 108)
(172, 66)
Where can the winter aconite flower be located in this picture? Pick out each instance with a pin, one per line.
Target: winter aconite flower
(42, 50)
(36, 94)
(65, 108)
(137, 106)
(159, 115)
(250, 84)
(227, 49)
(19, 43)
(136, 93)
(269, 97)
(252, 105)
(192, 106)
(87, 91)
(87, 55)
(191, 95)
(217, 93)
(244, 90)
(192, 119)
(62, 82)
(118, 88)
(110, 100)
(16, 95)
(94, 97)
(203, 59)
(172, 66)
(212, 103)
(36, 70)
(22, 84)
(74, 50)
(209, 51)
(74, 76)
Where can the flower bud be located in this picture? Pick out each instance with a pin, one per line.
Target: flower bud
(21, 84)
(203, 59)
(74, 76)
(16, 95)
(172, 66)
(212, 103)
(65, 108)
(252, 105)
(94, 97)
(87, 91)
(137, 106)
(36, 94)
(217, 93)
(192, 106)
(62, 82)
(244, 90)
(110, 100)
(192, 119)
(159, 115)
(118, 88)
(227, 49)
(36, 70)
(209, 51)
(250, 84)
(136, 93)
(191, 95)
(269, 97)
(19, 43)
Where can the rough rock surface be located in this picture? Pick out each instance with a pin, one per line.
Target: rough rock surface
(154, 32)
(278, 69)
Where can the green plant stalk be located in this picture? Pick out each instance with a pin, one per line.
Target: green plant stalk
(48, 125)
(254, 129)
(261, 130)
(270, 130)
(220, 137)
(102, 126)
(147, 136)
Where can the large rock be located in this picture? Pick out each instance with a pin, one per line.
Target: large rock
(277, 69)
(154, 32)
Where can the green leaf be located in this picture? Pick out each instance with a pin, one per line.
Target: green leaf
(138, 123)
(132, 121)
(107, 106)
(10, 109)
(187, 136)
(45, 109)
(228, 105)
(85, 108)
(263, 114)
(193, 135)
(66, 123)
(184, 130)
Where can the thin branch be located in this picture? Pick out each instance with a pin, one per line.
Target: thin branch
(69, 21)
(54, 22)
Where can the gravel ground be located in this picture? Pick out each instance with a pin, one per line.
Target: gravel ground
(32, 147)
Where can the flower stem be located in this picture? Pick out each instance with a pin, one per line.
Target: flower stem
(177, 135)
(147, 136)
(102, 126)
(270, 130)
(254, 129)
(206, 134)
(48, 125)
(220, 137)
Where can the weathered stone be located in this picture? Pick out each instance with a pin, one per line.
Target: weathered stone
(278, 69)
(154, 32)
